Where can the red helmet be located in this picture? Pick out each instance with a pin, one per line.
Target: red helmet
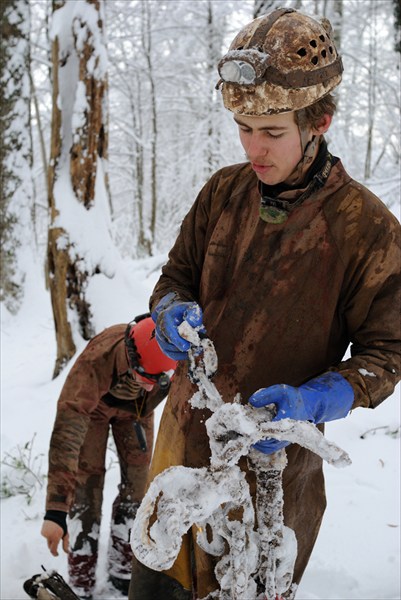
(144, 352)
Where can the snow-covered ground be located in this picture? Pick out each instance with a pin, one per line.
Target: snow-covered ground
(357, 555)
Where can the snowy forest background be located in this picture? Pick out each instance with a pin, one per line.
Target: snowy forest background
(110, 117)
(110, 125)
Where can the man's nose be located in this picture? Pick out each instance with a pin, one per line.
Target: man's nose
(257, 148)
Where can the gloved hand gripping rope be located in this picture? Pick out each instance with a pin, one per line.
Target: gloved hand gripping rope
(204, 497)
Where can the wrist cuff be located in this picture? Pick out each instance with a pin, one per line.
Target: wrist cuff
(59, 517)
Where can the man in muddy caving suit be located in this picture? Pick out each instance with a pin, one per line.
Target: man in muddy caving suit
(286, 262)
(114, 386)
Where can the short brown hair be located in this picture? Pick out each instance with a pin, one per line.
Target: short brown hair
(311, 115)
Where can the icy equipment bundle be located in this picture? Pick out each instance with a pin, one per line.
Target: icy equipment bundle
(181, 497)
(49, 586)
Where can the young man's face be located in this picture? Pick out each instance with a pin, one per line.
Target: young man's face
(272, 144)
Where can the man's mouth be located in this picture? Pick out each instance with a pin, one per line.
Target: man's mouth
(261, 168)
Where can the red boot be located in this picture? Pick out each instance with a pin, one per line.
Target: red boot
(81, 571)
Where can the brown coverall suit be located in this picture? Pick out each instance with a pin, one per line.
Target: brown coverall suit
(282, 303)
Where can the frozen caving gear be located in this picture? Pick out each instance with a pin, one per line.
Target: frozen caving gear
(280, 62)
(49, 586)
(144, 353)
(168, 315)
(229, 430)
(325, 398)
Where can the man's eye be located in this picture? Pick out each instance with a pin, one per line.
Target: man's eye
(274, 136)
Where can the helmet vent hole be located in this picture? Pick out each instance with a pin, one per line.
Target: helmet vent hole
(301, 52)
(321, 37)
(324, 53)
(331, 49)
(314, 60)
(313, 43)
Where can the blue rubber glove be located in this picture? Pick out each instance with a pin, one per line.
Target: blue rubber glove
(168, 315)
(326, 398)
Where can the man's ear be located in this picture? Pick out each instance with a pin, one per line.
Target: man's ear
(323, 125)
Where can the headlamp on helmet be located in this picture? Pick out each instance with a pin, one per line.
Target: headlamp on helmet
(245, 67)
(161, 379)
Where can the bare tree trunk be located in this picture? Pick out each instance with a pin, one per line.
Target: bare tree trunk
(90, 137)
(147, 46)
(16, 189)
(371, 91)
(397, 25)
(42, 145)
(77, 147)
(57, 252)
(144, 244)
(213, 54)
(214, 38)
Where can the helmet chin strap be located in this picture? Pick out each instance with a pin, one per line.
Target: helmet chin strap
(309, 151)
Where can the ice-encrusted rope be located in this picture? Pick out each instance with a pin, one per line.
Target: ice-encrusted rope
(182, 497)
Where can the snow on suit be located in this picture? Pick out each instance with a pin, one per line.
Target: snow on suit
(99, 394)
(282, 303)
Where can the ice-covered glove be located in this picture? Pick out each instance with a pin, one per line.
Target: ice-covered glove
(168, 315)
(325, 398)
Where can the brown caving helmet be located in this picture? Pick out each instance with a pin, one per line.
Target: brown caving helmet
(281, 62)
